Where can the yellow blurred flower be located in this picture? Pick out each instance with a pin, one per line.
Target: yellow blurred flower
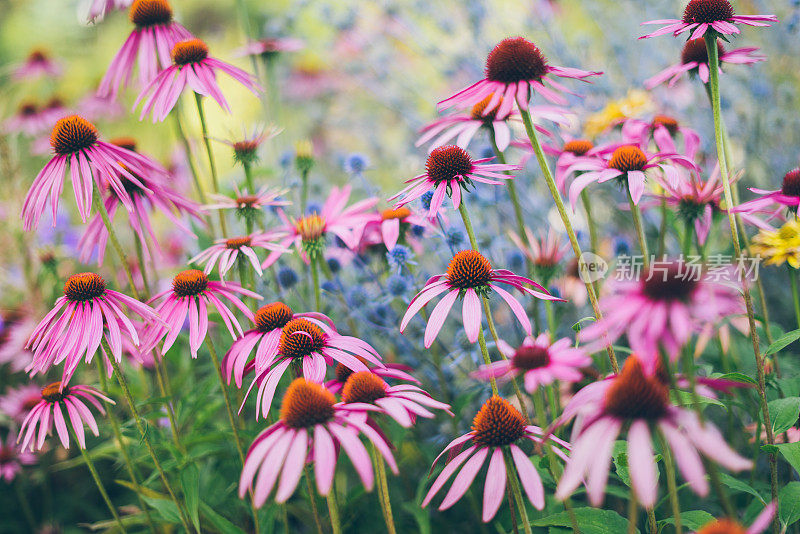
(779, 246)
(636, 103)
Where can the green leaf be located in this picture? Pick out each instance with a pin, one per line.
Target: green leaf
(621, 462)
(739, 485)
(784, 413)
(790, 453)
(789, 503)
(166, 509)
(219, 522)
(590, 521)
(190, 481)
(738, 377)
(421, 516)
(780, 343)
(577, 326)
(692, 519)
(685, 398)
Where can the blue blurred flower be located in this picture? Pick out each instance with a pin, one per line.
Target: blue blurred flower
(287, 277)
(397, 285)
(400, 256)
(356, 163)
(357, 296)
(425, 200)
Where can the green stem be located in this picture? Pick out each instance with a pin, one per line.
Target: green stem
(24, 504)
(312, 497)
(669, 469)
(562, 211)
(652, 524)
(686, 246)
(98, 482)
(164, 389)
(112, 236)
(232, 419)
(513, 482)
(512, 190)
(383, 491)
(594, 239)
(713, 64)
(181, 132)
(639, 225)
(211, 164)
(493, 330)
(315, 277)
(333, 511)
(304, 192)
(121, 444)
(662, 231)
(145, 435)
(795, 296)
(142, 267)
(633, 510)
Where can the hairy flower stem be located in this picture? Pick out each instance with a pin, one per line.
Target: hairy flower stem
(633, 510)
(669, 469)
(140, 426)
(652, 524)
(312, 497)
(462, 209)
(713, 64)
(512, 189)
(562, 211)
(333, 510)
(121, 445)
(640, 234)
(232, 419)
(513, 482)
(112, 236)
(383, 491)
(211, 164)
(98, 482)
(315, 277)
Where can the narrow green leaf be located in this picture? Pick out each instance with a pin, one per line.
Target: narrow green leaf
(219, 522)
(738, 377)
(166, 509)
(782, 342)
(190, 481)
(739, 485)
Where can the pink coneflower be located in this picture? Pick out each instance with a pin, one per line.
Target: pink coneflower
(95, 107)
(76, 144)
(570, 152)
(395, 371)
(694, 60)
(37, 64)
(191, 294)
(154, 196)
(731, 526)
(497, 429)
(471, 276)
(391, 225)
(245, 147)
(701, 16)
(312, 428)
(515, 68)
(772, 202)
(269, 321)
(311, 344)
(308, 233)
(11, 458)
(663, 307)
(627, 164)
(694, 200)
(48, 411)
(265, 197)
(17, 327)
(226, 252)
(270, 47)
(17, 402)
(539, 361)
(100, 8)
(640, 400)
(465, 126)
(150, 43)
(367, 391)
(664, 131)
(192, 67)
(73, 329)
(28, 120)
(449, 169)
(545, 251)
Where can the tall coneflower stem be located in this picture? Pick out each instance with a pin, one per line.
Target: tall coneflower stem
(513, 483)
(312, 498)
(493, 330)
(636, 214)
(686, 246)
(181, 133)
(716, 107)
(562, 211)
(140, 426)
(652, 524)
(512, 190)
(304, 191)
(142, 269)
(383, 491)
(594, 239)
(333, 510)
(99, 483)
(112, 236)
(211, 163)
(462, 209)
(633, 510)
(232, 420)
(166, 392)
(672, 490)
(795, 296)
(315, 278)
(122, 448)
(662, 231)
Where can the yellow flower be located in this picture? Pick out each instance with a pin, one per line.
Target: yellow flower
(779, 246)
(634, 104)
